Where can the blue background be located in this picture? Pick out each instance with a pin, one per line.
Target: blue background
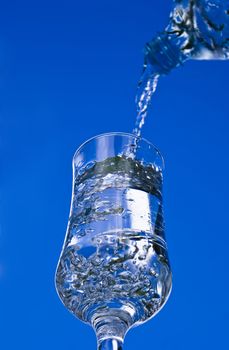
(68, 71)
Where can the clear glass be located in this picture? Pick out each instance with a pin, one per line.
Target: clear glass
(113, 272)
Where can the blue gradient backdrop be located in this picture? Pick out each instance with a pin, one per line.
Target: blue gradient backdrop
(68, 71)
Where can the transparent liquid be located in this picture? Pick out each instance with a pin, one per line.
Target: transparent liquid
(197, 29)
(146, 88)
(114, 257)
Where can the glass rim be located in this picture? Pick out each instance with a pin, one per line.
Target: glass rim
(120, 133)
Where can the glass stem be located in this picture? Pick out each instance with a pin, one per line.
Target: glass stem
(110, 328)
(110, 344)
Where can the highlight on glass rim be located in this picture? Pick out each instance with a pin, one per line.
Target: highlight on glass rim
(114, 175)
(114, 272)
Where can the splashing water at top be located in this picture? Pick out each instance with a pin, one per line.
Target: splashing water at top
(197, 29)
(146, 88)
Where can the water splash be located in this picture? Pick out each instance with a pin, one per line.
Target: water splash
(146, 88)
(196, 30)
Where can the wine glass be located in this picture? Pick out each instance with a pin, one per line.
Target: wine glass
(113, 272)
